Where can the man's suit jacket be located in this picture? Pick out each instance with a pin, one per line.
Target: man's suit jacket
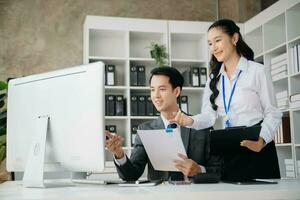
(195, 142)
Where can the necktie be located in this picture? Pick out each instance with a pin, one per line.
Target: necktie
(173, 125)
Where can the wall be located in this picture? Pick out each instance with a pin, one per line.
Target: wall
(38, 36)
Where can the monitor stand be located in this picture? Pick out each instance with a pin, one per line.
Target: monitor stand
(34, 170)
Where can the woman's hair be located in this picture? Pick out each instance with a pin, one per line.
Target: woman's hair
(230, 28)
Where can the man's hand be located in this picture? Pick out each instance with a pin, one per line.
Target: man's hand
(187, 166)
(255, 146)
(182, 119)
(114, 144)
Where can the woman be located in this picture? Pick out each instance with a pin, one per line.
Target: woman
(239, 91)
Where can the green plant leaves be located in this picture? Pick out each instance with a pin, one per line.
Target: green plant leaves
(3, 85)
(159, 54)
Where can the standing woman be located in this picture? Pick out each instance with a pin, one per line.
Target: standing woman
(240, 92)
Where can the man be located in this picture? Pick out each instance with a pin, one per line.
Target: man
(165, 87)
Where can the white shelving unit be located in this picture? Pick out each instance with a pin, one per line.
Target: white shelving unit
(273, 32)
(124, 42)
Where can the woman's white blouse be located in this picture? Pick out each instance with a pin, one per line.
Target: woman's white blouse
(252, 101)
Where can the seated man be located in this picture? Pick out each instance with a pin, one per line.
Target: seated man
(165, 87)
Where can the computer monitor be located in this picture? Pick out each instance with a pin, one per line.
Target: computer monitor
(55, 121)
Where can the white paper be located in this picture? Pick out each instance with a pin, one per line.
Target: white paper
(162, 148)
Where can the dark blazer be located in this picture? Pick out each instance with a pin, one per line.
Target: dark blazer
(195, 142)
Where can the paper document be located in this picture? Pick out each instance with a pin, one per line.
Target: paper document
(162, 147)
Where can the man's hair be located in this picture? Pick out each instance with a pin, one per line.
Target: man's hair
(175, 77)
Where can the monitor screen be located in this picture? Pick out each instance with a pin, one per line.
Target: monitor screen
(73, 99)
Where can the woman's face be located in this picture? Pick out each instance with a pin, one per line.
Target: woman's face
(221, 45)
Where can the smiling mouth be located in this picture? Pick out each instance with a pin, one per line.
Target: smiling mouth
(217, 54)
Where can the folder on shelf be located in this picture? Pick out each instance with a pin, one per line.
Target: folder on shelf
(110, 74)
(186, 78)
(184, 104)
(120, 105)
(203, 76)
(195, 74)
(149, 106)
(156, 112)
(141, 76)
(133, 76)
(134, 129)
(112, 128)
(134, 105)
(286, 129)
(141, 106)
(111, 105)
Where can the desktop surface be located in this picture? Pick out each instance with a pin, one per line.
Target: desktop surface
(285, 189)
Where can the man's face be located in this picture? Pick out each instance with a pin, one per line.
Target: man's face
(163, 96)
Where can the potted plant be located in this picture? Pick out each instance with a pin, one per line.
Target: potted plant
(159, 54)
(4, 175)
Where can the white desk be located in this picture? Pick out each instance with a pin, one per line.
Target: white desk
(285, 189)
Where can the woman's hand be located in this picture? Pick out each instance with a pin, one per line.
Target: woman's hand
(182, 119)
(255, 146)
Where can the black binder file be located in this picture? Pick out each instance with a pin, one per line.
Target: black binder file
(195, 82)
(133, 76)
(149, 106)
(120, 105)
(228, 140)
(203, 76)
(141, 106)
(134, 105)
(141, 76)
(133, 133)
(112, 128)
(184, 104)
(186, 78)
(111, 105)
(110, 75)
(239, 163)
(156, 112)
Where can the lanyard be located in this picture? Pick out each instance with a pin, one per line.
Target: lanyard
(227, 107)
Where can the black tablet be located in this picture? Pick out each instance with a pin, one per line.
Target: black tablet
(228, 140)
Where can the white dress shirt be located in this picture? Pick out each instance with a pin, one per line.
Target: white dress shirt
(123, 160)
(252, 101)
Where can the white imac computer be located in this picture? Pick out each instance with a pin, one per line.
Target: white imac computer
(55, 122)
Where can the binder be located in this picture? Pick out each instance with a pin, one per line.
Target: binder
(141, 106)
(133, 133)
(112, 128)
(133, 76)
(110, 75)
(106, 107)
(141, 76)
(203, 76)
(111, 105)
(156, 112)
(195, 74)
(120, 105)
(149, 106)
(186, 78)
(184, 104)
(134, 105)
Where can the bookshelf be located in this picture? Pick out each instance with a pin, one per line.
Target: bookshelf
(125, 42)
(272, 34)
